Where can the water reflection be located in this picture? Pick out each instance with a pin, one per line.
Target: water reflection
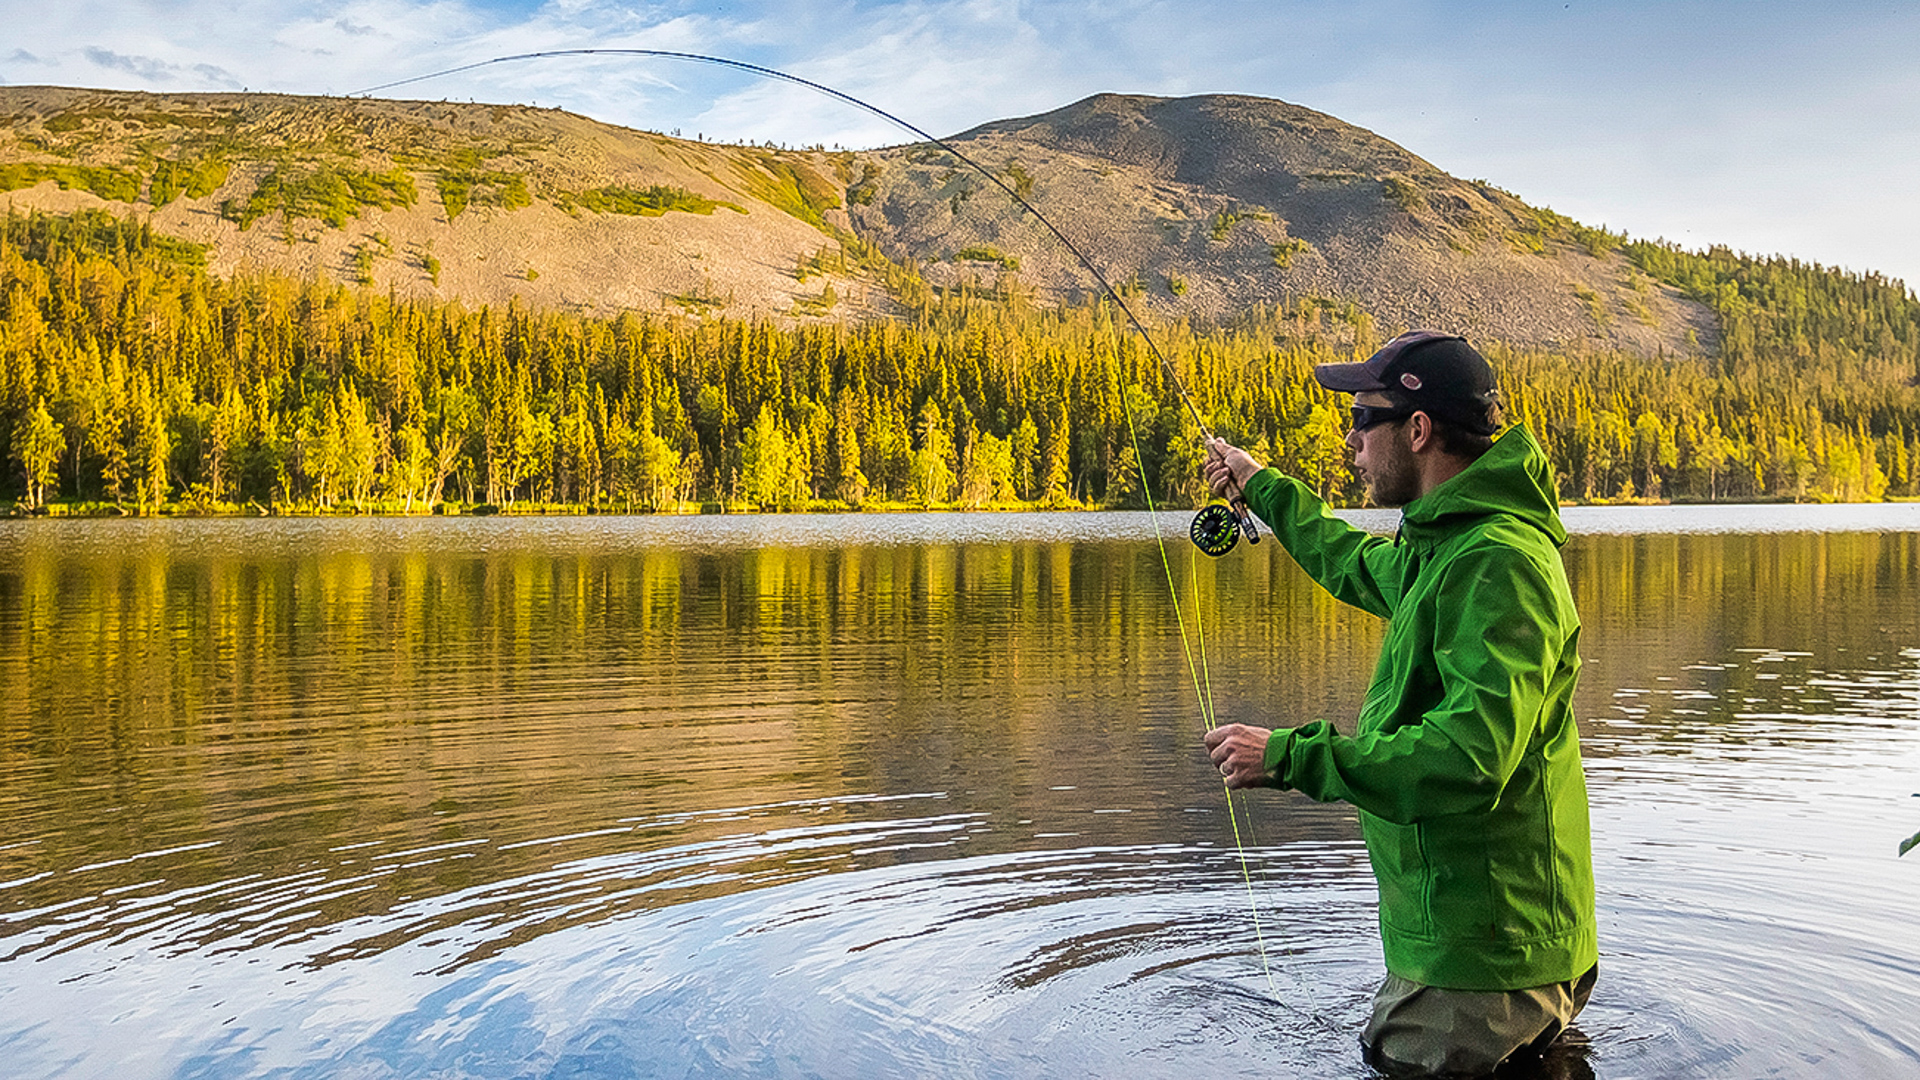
(298, 798)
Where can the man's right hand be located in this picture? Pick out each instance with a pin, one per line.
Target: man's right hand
(1228, 468)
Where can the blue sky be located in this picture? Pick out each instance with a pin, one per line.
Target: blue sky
(1772, 127)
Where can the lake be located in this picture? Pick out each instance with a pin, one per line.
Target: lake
(888, 795)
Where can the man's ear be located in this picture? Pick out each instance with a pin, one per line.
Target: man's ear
(1420, 433)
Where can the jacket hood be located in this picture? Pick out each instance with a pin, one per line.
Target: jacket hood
(1513, 477)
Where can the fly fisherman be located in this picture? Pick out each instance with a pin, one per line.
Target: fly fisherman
(1465, 765)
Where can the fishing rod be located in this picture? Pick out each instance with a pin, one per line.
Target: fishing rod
(1217, 527)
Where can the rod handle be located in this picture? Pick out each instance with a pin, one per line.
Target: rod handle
(1239, 504)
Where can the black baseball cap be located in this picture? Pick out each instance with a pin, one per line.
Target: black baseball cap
(1437, 373)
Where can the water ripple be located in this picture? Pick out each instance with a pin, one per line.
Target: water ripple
(634, 960)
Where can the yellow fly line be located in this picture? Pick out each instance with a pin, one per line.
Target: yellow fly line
(1194, 646)
(1194, 649)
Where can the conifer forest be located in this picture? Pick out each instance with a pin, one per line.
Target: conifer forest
(133, 380)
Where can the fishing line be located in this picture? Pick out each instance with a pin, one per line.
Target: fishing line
(1202, 676)
(1241, 516)
(1236, 505)
(1312, 1011)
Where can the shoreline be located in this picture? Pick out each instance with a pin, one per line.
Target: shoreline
(110, 511)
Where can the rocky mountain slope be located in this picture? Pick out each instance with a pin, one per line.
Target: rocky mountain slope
(1195, 207)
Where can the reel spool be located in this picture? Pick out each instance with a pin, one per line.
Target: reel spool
(1215, 529)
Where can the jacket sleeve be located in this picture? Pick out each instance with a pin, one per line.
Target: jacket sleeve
(1496, 644)
(1354, 565)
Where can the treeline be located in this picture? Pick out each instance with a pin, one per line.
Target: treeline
(130, 376)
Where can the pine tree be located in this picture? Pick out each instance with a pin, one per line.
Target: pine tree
(931, 472)
(37, 442)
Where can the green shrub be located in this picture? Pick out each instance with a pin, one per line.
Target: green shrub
(640, 202)
(987, 253)
(1225, 220)
(1284, 251)
(71, 120)
(464, 187)
(196, 180)
(1022, 183)
(108, 183)
(1405, 194)
(1598, 242)
(331, 195)
(1596, 307)
(788, 186)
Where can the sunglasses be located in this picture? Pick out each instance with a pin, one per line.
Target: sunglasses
(1366, 416)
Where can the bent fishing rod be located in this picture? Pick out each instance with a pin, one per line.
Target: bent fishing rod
(1217, 527)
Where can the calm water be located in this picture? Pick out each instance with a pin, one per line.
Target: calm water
(885, 796)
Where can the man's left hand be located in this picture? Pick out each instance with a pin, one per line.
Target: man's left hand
(1227, 467)
(1239, 751)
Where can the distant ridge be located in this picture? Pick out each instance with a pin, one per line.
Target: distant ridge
(1247, 147)
(1202, 206)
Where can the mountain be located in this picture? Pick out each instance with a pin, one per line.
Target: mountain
(1195, 207)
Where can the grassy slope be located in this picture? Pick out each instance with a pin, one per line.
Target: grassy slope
(1200, 206)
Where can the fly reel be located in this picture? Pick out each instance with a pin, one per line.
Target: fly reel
(1218, 525)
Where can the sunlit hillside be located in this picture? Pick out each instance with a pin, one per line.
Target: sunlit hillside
(240, 303)
(1199, 207)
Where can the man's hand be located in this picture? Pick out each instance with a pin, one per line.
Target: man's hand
(1240, 752)
(1228, 466)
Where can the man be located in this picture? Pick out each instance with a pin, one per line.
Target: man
(1465, 765)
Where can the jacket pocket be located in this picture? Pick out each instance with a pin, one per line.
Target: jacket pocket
(1400, 866)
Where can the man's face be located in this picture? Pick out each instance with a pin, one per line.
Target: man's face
(1384, 458)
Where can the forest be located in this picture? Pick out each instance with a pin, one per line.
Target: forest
(134, 381)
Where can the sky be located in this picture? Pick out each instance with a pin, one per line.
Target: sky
(1771, 127)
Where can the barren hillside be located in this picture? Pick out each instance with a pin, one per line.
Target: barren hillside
(1195, 206)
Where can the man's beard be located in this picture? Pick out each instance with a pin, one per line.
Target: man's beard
(1394, 481)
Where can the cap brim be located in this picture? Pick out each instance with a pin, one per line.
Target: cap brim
(1347, 378)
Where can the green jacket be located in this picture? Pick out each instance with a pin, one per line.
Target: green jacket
(1465, 765)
